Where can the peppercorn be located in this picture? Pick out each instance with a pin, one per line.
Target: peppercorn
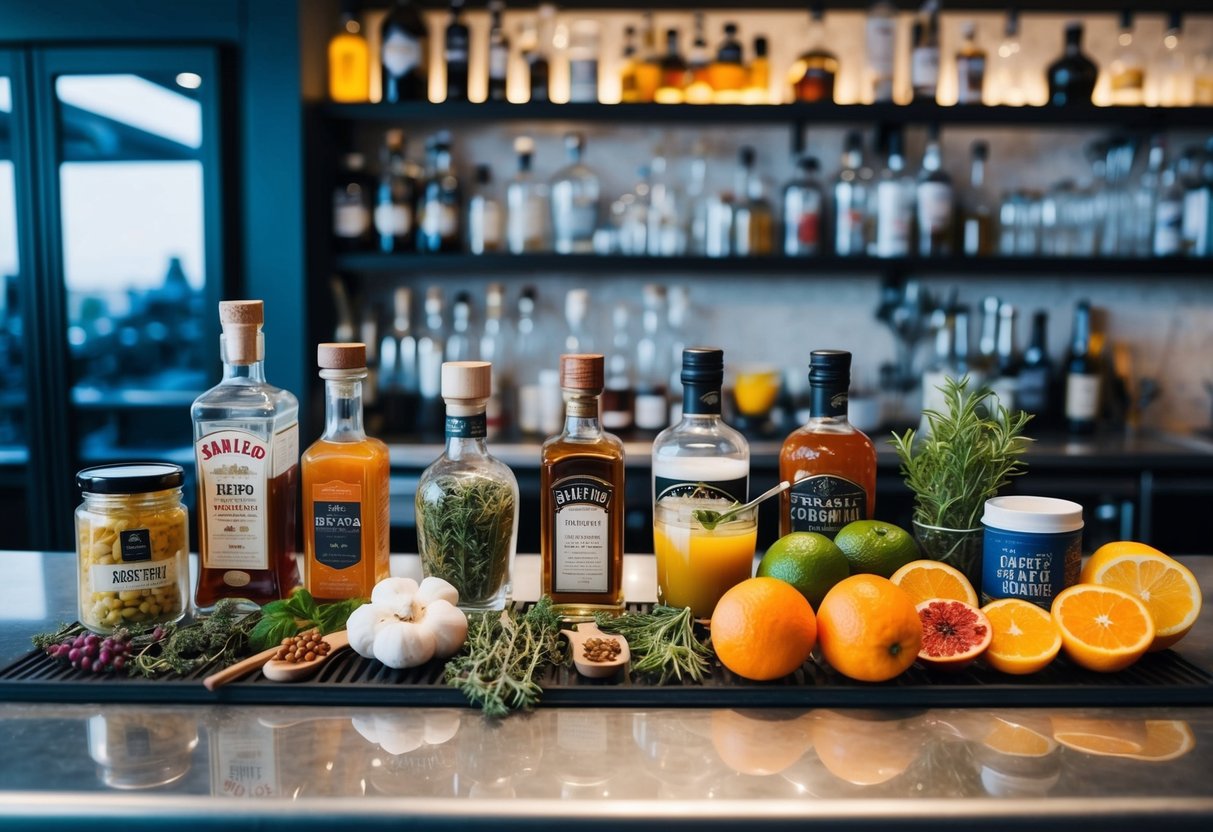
(305, 647)
(601, 649)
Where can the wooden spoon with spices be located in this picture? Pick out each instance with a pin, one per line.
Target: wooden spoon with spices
(277, 670)
(593, 653)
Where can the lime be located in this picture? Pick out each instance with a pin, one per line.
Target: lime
(808, 561)
(876, 548)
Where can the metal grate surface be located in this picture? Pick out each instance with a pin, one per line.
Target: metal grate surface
(1163, 678)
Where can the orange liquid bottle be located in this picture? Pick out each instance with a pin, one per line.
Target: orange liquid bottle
(345, 487)
(831, 464)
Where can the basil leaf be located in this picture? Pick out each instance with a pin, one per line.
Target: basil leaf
(271, 630)
(301, 604)
(333, 617)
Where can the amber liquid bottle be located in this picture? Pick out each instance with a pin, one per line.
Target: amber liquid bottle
(246, 445)
(349, 62)
(581, 500)
(831, 465)
(346, 507)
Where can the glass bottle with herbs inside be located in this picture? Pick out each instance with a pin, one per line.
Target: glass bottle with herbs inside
(467, 501)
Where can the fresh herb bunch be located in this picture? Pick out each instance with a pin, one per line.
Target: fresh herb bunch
(969, 455)
(504, 652)
(291, 616)
(663, 643)
(465, 528)
(222, 637)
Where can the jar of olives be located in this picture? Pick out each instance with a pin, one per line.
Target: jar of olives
(132, 545)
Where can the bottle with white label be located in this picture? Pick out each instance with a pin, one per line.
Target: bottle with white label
(1082, 375)
(895, 203)
(880, 40)
(246, 446)
(352, 205)
(395, 197)
(526, 204)
(924, 54)
(499, 52)
(404, 54)
(582, 500)
(701, 455)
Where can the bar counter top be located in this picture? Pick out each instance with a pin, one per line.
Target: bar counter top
(315, 767)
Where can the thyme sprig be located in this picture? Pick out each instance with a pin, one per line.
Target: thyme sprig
(663, 643)
(222, 637)
(465, 527)
(965, 460)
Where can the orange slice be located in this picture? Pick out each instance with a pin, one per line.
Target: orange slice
(1017, 740)
(1166, 739)
(1103, 737)
(1102, 629)
(1167, 588)
(926, 579)
(1025, 637)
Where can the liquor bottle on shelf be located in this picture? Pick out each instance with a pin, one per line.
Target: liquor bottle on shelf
(987, 336)
(880, 42)
(1167, 240)
(486, 224)
(1006, 72)
(758, 88)
(456, 44)
(1198, 203)
(1005, 381)
(674, 72)
(528, 357)
(576, 310)
(398, 365)
(499, 54)
(803, 206)
(404, 50)
(813, 74)
(934, 202)
(575, 194)
(1127, 72)
(395, 198)
(830, 463)
(459, 344)
(467, 501)
(727, 74)
(1035, 392)
(345, 473)
(1170, 80)
(246, 447)
(526, 204)
(651, 362)
(629, 90)
(583, 61)
(1072, 77)
(895, 203)
(1082, 375)
(970, 68)
(619, 396)
(349, 60)
(431, 349)
(666, 232)
(942, 366)
(697, 198)
(963, 362)
(441, 202)
(753, 217)
(699, 452)
(582, 500)
(977, 235)
(352, 205)
(852, 199)
(648, 67)
(538, 58)
(924, 53)
(699, 59)
(495, 343)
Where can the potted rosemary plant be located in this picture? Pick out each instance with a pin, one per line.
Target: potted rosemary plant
(971, 450)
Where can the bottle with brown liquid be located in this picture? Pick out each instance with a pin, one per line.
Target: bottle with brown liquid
(346, 509)
(246, 445)
(582, 500)
(831, 464)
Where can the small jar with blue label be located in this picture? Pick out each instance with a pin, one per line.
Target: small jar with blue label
(1032, 548)
(132, 546)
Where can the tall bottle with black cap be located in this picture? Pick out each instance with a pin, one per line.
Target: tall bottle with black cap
(701, 453)
(581, 498)
(830, 463)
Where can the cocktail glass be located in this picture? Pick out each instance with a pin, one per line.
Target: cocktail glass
(695, 565)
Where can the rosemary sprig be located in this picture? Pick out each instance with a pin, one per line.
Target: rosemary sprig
(465, 527)
(966, 459)
(663, 643)
(497, 667)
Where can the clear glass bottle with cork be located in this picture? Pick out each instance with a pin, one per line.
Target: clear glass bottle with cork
(582, 500)
(467, 501)
(346, 506)
(246, 447)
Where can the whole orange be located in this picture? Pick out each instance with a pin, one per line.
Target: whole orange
(763, 628)
(869, 629)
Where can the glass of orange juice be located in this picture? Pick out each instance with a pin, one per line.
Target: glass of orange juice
(695, 565)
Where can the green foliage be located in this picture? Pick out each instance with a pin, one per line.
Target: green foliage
(965, 460)
(291, 616)
(662, 642)
(222, 637)
(465, 526)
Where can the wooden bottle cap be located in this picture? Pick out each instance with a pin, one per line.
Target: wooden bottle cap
(466, 381)
(241, 312)
(345, 356)
(582, 371)
(241, 320)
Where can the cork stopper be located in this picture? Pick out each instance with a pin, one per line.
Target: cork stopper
(241, 320)
(466, 387)
(347, 356)
(582, 372)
